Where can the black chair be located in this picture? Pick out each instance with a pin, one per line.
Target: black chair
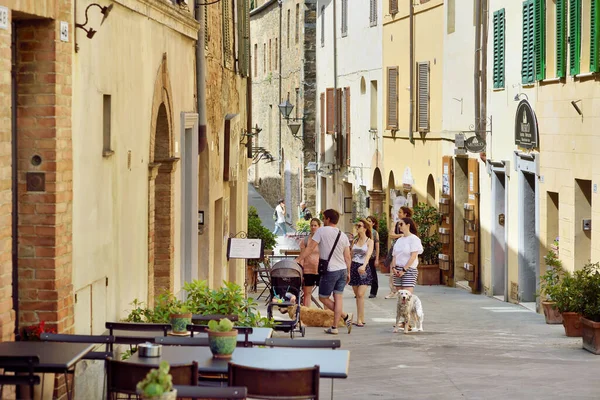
(92, 355)
(244, 330)
(304, 344)
(264, 274)
(198, 392)
(181, 341)
(210, 317)
(22, 364)
(136, 327)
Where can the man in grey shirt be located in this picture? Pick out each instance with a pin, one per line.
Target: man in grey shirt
(338, 270)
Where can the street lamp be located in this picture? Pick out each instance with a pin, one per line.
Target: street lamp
(286, 109)
(294, 128)
(90, 32)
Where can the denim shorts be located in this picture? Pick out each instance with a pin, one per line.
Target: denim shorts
(333, 281)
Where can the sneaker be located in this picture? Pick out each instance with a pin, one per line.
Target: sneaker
(331, 331)
(349, 322)
(392, 295)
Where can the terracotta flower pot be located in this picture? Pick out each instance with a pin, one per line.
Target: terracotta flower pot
(590, 334)
(429, 274)
(179, 322)
(383, 269)
(572, 324)
(172, 395)
(552, 315)
(222, 344)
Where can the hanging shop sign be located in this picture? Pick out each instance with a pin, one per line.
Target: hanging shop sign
(526, 128)
(475, 144)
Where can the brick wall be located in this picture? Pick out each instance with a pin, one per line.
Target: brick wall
(6, 313)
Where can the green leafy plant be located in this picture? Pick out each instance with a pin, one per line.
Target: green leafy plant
(427, 219)
(549, 282)
(590, 291)
(302, 226)
(224, 325)
(382, 229)
(256, 230)
(157, 381)
(568, 295)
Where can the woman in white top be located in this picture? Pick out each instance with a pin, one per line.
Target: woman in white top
(406, 256)
(360, 273)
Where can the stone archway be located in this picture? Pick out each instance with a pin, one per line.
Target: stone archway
(161, 188)
(376, 194)
(430, 190)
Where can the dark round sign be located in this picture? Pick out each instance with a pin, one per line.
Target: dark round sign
(526, 128)
(475, 144)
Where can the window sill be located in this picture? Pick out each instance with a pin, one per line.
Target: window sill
(498, 89)
(528, 85)
(585, 75)
(551, 80)
(107, 153)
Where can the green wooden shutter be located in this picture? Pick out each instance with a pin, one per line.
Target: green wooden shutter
(561, 38)
(574, 36)
(527, 62)
(499, 48)
(595, 31)
(540, 39)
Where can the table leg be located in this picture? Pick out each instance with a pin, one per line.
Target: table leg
(331, 389)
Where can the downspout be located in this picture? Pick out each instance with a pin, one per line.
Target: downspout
(201, 79)
(335, 93)
(477, 66)
(249, 89)
(280, 87)
(484, 41)
(15, 182)
(411, 57)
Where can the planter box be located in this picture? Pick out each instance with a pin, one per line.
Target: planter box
(383, 269)
(572, 324)
(551, 313)
(590, 335)
(429, 274)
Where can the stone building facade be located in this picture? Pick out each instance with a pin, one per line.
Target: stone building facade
(284, 68)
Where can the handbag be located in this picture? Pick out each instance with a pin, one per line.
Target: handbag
(323, 264)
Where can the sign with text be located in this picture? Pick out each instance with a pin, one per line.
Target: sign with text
(475, 144)
(526, 128)
(245, 248)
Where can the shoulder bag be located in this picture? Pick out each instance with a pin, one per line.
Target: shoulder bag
(323, 264)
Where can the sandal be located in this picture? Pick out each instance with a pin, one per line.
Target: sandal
(359, 324)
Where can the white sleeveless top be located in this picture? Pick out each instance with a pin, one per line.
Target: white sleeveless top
(359, 253)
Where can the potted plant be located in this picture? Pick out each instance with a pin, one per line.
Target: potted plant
(590, 320)
(427, 219)
(568, 301)
(179, 317)
(158, 384)
(549, 285)
(32, 333)
(382, 230)
(222, 338)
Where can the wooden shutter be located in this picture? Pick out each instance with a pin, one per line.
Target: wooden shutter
(339, 132)
(595, 32)
(330, 110)
(499, 48)
(423, 96)
(373, 13)
(393, 7)
(226, 33)
(344, 18)
(527, 61)
(392, 98)
(574, 36)
(322, 133)
(206, 37)
(540, 39)
(348, 129)
(561, 38)
(243, 37)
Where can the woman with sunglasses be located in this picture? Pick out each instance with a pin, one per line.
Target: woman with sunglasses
(360, 273)
(405, 258)
(403, 212)
(311, 264)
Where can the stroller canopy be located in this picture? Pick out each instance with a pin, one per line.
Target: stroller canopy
(286, 269)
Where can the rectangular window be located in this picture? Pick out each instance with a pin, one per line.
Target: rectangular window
(243, 36)
(348, 130)
(393, 7)
(594, 36)
(451, 17)
(270, 55)
(288, 29)
(330, 110)
(499, 49)
(344, 18)
(255, 60)
(322, 26)
(206, 36)
(392, 98)
(106, 125)
(374, 105)
(322, 141)
(561, 38)
(423, 96)
(373, 13)
(540, 39)
(275, 60)
(226, 33)
(527, 61)
(574, 36)
(264, 58)
(297, 23)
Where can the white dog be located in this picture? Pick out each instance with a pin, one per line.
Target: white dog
(409, 309)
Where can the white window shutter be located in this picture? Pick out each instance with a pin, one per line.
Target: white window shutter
(423, 96)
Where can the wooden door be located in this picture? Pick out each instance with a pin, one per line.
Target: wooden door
(446, 230)
(473, 267)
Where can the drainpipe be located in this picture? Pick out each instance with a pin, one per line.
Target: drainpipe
(335, 93)
(201, 79)
(484, 41)
(411, 57)
(249, 89)
(280, 88)
(477, 65)
(15, 182)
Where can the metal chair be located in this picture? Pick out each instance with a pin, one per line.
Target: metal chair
(217, 317)
(136, 327)
(302, 383)
(22, 364)
(122, 377)
(304, 344)
(199, 393)
(264, 274)
(244, 330)
(181, 341)
(92, 355)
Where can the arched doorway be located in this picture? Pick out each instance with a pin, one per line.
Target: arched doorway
(430, 191)
(377, 180)
(376, 194)
(161, 188)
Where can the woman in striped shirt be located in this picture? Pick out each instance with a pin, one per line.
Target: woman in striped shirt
(406, 256)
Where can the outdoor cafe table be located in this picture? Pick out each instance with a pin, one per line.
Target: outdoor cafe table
(332, 363)
(55, 357)
(257, 337)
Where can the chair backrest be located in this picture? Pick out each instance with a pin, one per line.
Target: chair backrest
(210, 317)
(28, 363)
(92, 355)
(136, 326)
(304, 344)
(205, 392)
(297, 383)
(181, 341)
(122, 377)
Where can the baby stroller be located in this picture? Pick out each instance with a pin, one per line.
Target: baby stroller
(286, 280)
